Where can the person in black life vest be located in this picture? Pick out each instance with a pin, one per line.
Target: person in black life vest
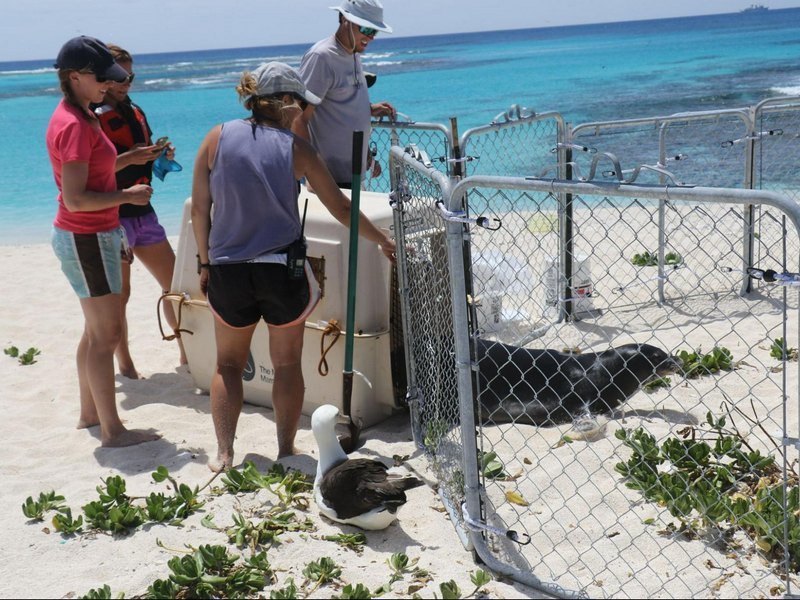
(126, 126)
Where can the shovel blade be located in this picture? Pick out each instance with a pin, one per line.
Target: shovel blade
(352, 441)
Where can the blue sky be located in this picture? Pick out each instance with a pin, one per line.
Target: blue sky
(35, 29)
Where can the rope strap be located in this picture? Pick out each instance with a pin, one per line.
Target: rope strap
(331, 329)
(182, 299)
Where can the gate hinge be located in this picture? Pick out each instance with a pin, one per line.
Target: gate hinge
(789, 441)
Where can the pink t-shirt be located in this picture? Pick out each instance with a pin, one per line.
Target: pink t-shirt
(71, 138)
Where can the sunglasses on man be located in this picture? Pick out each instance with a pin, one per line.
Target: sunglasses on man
(368, 31)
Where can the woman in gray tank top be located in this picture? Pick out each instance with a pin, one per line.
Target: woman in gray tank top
(248, 170)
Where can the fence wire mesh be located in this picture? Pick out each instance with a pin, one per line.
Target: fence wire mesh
(655, 495)
(427, 303)
(431, 139)
(517, 143)
(561, 484)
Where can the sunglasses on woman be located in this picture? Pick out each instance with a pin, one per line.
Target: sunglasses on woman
(128, 79)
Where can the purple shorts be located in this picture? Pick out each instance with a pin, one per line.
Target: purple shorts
(144, 230)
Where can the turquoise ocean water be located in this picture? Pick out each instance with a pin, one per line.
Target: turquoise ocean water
(587, 73)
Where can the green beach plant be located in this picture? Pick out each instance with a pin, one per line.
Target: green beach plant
(650, 259)
(351, 541)
(697, 364)
(490, 465)
(35, 509)
(102, 593)
(354, 592)
(65, 524)
(780, 351)
(25, 358)
(319, 572)
(29, 356)
(712, 480)
(657, 383)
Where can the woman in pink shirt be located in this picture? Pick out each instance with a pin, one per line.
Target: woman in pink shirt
(87, 237)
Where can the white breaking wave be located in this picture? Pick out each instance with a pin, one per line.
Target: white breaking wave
(793, 90)
(382, 63)
(28, 71)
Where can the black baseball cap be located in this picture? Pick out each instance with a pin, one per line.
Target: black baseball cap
(86, 52)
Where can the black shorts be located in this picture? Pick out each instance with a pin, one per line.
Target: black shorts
(242, 293)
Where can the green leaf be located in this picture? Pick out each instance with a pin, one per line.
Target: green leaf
(357, 592)
(28, 358)
(480, 578)
(450, 590)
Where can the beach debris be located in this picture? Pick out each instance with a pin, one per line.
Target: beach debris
(516, 498)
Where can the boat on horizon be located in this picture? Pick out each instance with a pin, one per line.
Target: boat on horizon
(755, 8)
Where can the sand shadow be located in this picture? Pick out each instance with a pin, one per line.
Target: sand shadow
(133, 460)
(172, 389)
(677, 417)
(305, 463)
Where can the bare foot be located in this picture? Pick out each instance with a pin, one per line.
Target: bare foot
(223, 462)
(130, 437)
(84, 422)
(129, 372)
(283, 454)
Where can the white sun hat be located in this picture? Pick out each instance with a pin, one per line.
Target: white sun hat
(280, 78)
(367, 13)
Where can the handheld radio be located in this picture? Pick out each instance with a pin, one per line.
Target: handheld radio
(296, 254)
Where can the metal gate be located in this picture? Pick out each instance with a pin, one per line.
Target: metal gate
(471, 283)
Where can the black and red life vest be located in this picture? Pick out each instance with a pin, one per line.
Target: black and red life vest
(126, 125)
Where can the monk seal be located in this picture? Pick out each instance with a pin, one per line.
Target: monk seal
(546, 387)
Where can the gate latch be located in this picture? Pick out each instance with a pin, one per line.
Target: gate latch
(476, 525)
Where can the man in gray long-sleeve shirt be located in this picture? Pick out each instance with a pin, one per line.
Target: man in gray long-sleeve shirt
(331, 69)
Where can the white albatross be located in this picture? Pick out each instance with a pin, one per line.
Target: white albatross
(358, 491)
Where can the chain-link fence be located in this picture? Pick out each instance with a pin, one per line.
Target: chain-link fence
(647, 500)
(517, 143)
(429, 141)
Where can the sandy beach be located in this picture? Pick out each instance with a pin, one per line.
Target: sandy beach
(44, 451)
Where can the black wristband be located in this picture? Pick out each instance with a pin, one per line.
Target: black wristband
(201, 265)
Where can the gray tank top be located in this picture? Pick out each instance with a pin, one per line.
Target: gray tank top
(254, 193)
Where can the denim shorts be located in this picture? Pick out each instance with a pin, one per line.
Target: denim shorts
(144, 230)
(92, 262)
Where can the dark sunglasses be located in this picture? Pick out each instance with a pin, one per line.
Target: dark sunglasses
(301, 101)
(128, 79)
(368, 31)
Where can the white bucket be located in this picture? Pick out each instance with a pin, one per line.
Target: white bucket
(582, 286)
(489, 308)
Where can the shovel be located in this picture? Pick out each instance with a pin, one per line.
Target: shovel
(351, 442)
